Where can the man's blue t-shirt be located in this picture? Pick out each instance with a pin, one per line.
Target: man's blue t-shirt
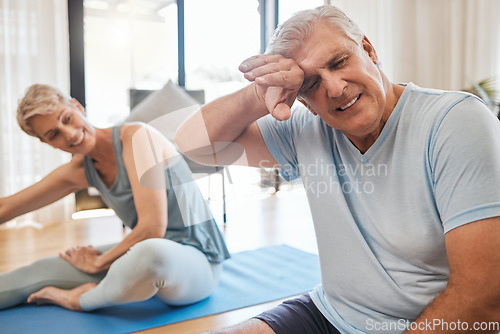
(380, 217)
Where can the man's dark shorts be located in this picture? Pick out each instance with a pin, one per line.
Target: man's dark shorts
(297, 316)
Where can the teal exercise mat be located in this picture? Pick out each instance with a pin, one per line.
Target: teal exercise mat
(249, 278)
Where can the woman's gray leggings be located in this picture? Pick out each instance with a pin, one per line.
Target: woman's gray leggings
(177, 274)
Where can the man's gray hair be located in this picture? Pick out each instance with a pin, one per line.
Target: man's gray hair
(289, 36)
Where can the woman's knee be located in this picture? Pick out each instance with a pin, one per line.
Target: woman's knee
(157, 254)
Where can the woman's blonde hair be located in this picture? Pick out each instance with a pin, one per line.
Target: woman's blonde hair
(39, 100)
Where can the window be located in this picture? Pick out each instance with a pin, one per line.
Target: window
(288, 7)
(127, 44)
(220, 34)
(133, 44)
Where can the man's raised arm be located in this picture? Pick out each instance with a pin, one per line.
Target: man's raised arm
(224, 131)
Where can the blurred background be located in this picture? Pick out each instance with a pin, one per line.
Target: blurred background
(98, 50)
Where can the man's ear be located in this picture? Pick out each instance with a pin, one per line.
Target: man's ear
(368, 47)
(78, 105)
(301, 100)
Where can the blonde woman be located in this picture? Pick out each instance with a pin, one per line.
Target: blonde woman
(174, 250)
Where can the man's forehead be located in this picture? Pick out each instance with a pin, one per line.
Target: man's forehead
(322, 58)
(324, 43)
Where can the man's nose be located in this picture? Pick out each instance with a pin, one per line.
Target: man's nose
(334, 85)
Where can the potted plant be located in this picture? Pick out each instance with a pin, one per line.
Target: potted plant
(487, 91)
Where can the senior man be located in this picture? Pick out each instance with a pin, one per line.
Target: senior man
(403, 182)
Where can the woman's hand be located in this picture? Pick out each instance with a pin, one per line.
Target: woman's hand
(277, 82)
(83, 258)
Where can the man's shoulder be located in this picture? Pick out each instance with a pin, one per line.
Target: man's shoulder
(431, 105)
(438, 98)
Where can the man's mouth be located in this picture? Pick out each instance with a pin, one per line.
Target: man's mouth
(349, 103)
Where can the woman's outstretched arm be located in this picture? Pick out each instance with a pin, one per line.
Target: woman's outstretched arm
(61, 182)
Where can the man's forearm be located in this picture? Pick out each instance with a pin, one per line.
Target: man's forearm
(455, 312)
(219, 123)
(227, 118)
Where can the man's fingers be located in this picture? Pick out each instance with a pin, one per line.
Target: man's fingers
(263, 65)
(258, 61)
(277, 100)
(277, 80)
(268, 69)
(282, 112)
(286, 80)
(285, 75)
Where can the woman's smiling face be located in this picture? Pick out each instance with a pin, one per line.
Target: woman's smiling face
(66, 129)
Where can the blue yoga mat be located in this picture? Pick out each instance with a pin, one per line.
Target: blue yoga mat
(249, 278)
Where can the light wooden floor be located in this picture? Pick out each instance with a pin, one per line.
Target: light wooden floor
(255, 219)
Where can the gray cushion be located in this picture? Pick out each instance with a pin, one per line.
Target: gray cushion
(165, 109)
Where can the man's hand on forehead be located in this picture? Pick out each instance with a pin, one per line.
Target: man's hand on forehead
(277, 80)
(273, 70)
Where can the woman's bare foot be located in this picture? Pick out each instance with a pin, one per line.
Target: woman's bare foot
(69, 299)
